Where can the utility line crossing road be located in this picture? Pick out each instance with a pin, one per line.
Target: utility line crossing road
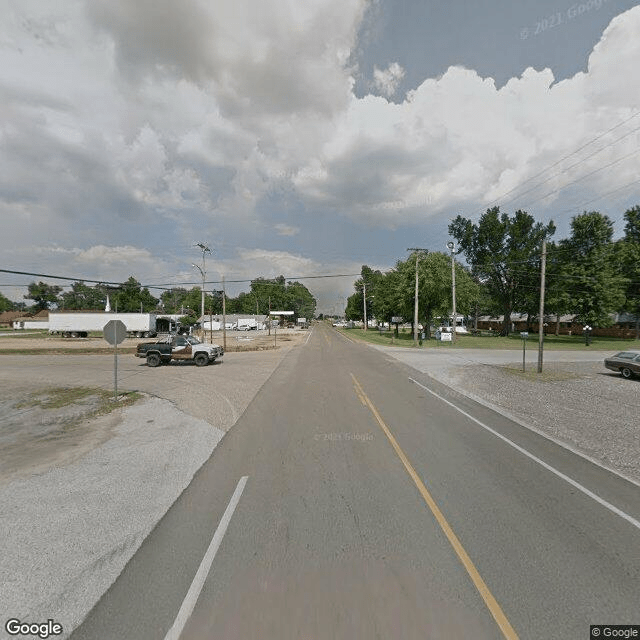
(358, 498)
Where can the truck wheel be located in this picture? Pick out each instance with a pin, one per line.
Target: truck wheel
(201, 359)
(626, 372)
(146, 334)
(153, 360)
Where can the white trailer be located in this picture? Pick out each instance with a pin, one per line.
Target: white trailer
(78, 324)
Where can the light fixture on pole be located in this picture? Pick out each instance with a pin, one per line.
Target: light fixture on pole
(452, 247)
(203, 271)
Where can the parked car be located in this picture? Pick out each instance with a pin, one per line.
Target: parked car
(626, 362)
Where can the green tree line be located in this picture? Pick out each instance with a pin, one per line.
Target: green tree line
(131, 296)
(587, 274)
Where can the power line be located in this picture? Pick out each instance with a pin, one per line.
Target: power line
(555, 175)
(555, 164)
(606, 166)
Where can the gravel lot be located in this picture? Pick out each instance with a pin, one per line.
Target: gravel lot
(78, 496)
(578, 402)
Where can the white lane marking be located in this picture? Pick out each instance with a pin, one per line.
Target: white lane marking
(307, 340)
(345, 337)
(191, 598)
(548, 467)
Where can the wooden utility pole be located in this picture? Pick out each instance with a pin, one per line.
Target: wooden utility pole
(541, 312)
(452, 248)
(364, 297)
(224, 316)
(415, 305)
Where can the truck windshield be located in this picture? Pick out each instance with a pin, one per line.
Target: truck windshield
(193, 340)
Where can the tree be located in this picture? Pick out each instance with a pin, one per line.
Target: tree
(595, 287)
(557, 293)
(44, 295)
(435, 287)
(172, 300)
(503, 253)
(5, 304)
(300, 301)
(82, 296)
(627, 253)
(131, 298)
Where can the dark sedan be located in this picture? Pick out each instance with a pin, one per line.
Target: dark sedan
(626, 362)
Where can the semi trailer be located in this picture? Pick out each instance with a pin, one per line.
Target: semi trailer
(78, 324)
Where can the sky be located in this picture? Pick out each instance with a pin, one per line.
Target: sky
(301, 138)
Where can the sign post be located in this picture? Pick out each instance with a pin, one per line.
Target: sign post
(275, 328)
(524, 335)
(114, 332)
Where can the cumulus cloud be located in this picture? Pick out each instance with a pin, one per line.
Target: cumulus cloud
(386, 81)
(458, 140)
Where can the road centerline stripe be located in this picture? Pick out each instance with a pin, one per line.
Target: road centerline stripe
(489, 600)
(193, 593)
(574, 483)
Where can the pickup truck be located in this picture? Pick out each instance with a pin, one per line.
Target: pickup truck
(179, 348)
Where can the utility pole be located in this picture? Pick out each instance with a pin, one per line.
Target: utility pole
(364, 297)
(203, 271)
(452, 247)
(541, 313)
(415, 306)
(224, 316)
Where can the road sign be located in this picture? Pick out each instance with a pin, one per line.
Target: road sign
(524, 334)
(397, 320)
(114, 332)
(445, 337)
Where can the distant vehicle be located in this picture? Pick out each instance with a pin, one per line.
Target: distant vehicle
(459, 329)
(626, 362)
(247, 324)
(78, 324)
(179, 348)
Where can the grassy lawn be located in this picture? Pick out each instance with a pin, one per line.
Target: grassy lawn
(551, 342)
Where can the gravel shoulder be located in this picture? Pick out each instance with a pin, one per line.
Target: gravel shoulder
(577, 401)
(82, 492)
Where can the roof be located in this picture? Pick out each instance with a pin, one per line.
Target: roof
(10, 316)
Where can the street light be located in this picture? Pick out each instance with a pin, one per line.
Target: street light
(203, 271)
(451, 246)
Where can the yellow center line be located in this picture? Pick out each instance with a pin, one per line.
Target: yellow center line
(483, 590)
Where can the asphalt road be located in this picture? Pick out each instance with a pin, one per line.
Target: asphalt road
(376, 509)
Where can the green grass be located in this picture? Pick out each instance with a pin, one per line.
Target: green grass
(59, 397)
(514, 341)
